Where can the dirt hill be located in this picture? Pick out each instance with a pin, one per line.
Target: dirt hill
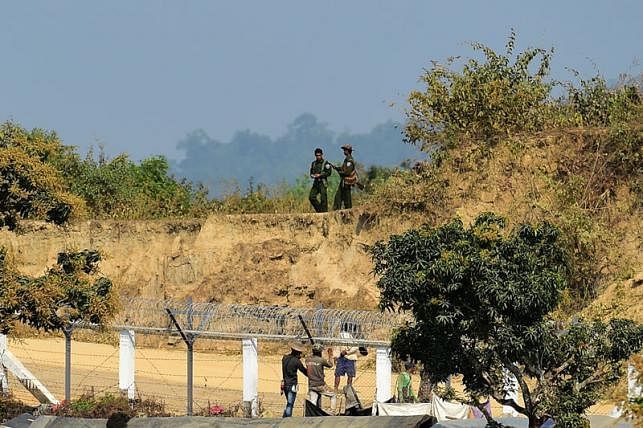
(298, 260)
(567, 177)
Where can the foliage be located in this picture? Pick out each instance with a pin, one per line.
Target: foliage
(421, 189)
(120, 188)
(68, 292)
(30, 187)
(495, 96)
(109, 405)
(502, 94)
(263, 199)
(594, 104)
(481, 300)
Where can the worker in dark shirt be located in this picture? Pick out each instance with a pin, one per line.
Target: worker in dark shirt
(290, 363)
(317, 386)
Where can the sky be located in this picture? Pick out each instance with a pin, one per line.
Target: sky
(137, 76)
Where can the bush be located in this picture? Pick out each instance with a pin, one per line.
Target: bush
(30, 186)
(89, 405)
(496, 96)
(500, 95)
(120, 188)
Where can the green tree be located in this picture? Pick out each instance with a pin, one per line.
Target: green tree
(73, 290)
(30, 186)
(121, 188)
(483, 301)
(497, 95)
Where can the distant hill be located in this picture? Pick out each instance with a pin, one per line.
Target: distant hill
(224, 166)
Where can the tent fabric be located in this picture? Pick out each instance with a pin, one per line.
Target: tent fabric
(218, 422)
(447, 410)
(354, 411)
(442, 410)
(422, 421)
(352, 400)
(403, 409)
(311, 410)
(596, 421)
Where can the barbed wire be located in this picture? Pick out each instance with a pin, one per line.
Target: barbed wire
(323, 323)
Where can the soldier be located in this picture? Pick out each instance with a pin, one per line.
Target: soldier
(319, 172)
(348, 176)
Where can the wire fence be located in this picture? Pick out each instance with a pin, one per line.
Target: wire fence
(257, 321)
(161, 375)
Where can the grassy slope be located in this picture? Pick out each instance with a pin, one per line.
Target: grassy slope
(556, 176)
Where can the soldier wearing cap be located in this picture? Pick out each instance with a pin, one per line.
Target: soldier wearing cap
(348, 177)
(290, 364)
(319, 171)
(317, 386)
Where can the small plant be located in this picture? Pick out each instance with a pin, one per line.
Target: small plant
(89, 405)
(216, 410)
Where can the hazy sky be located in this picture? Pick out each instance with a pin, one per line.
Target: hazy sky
(136, 76)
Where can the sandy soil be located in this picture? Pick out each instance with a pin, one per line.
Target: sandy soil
(161, 373)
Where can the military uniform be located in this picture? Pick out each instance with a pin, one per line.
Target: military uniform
(320, 186)
(343, 194)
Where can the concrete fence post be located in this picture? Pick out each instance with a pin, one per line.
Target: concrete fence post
(127, 363)
(634, 388)
(383, 374)
(250, 377)
(4, 380)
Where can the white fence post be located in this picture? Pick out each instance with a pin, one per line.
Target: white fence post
(127, 363)
(383, 374)
(4, 380)
(634, 388)
(250, 376)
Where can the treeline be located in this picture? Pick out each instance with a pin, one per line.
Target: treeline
(499, 97)
(41, 178)
(225, 167)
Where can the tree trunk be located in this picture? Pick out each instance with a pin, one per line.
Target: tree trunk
(535, 422)
(424, 391)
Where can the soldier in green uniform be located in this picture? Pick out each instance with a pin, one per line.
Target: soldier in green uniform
(348, 177)
(319, 172)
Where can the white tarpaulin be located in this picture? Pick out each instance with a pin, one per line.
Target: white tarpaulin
(403, 409)
(438, 408)
(446, 410)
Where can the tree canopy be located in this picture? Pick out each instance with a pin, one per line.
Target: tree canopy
(483, 300)
(30, 185)
(496, 95)
(71, 291)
